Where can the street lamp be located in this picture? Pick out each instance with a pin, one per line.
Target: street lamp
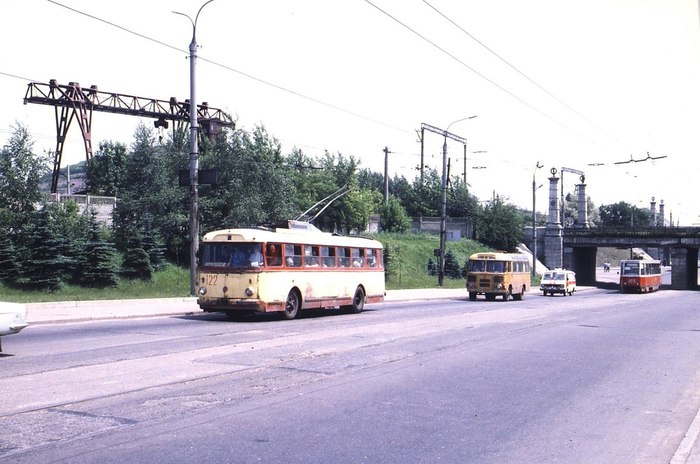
(534, 230)
(194, 153)
(443, 202)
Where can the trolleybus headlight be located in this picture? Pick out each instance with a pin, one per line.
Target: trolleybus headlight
(249, 291)
(202, 290)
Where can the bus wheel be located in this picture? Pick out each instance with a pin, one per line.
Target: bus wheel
(519, 296)
(472, 296)
(291, 309)
(358, 301)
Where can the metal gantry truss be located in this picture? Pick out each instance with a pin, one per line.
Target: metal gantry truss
(71, 101)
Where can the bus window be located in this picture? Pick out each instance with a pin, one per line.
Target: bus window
(292, 255)
(495, 266)
(477, 265)
(311, 256)
(274, 254)
(328, 256)
(358, 257)
(371, 258)
(344, 257)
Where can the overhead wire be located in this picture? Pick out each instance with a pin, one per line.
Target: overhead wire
(230, 68)
(481, 75)
(514, 68)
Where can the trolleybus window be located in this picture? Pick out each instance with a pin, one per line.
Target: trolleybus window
(311, 256)
(328, 254)
(344, 257)
(292, 255)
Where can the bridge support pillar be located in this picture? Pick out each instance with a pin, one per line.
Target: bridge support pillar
(684, 275)
(553, 236)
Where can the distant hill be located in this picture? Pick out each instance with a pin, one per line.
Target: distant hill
(77, 179)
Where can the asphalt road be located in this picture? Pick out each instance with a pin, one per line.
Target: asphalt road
(599, 377)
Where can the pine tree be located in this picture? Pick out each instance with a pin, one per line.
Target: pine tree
(155, 249)
(43, 264)
(432, 267)
(98, 264)
(452, 267)
(136, 264)
(8, 258)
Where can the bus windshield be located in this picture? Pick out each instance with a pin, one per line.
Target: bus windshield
(630, 268)
(484, 265)
(232, 255)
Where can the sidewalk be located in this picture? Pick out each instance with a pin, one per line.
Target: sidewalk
(75, 311)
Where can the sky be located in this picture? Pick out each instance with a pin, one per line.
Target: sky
(580, 85)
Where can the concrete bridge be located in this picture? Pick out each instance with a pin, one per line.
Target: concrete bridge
(575, 247)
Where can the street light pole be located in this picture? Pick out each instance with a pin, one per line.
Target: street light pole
(194, 154)
(534, 218)
(443, 204)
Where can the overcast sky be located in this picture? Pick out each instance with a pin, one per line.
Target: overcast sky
(570, 84)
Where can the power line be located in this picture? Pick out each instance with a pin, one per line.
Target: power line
(487, 79)
(229, 68)
(516, 69)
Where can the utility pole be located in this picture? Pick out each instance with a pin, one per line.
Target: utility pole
(386, 175)
(534, 219)
(194, 154)
(443, 202)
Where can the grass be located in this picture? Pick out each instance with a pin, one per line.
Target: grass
(411, 253)
(170, 282)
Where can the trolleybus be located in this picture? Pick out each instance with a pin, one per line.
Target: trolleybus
(493, 274)
(286, 270)
(640, 275)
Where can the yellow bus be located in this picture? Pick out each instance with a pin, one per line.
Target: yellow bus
(493, 274)
(286, 270)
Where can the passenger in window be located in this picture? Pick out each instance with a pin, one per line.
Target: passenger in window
(255, 257)
(274, 256)
(237, 258)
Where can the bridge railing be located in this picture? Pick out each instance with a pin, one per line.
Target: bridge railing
(647, 232)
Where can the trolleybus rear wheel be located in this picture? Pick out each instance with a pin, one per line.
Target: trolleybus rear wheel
(291, 308)
(358, 301)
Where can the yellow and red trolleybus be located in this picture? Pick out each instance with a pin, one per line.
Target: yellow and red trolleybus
(286, 270)
(640, 275)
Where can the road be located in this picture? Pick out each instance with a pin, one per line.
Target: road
(598, 377)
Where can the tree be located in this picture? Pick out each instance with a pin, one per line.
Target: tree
(393, 217)
(452, 267)
(21, 173)
(43, 264)
(136, 264)
(255, 185)
(500, 226)
(9, 269)
(623, 214)
(149, 194)
(98, 264)
(105, 172)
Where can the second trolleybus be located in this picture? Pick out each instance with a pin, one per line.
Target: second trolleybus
(640, 275)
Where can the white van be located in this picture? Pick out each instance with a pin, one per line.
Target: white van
(558, 281)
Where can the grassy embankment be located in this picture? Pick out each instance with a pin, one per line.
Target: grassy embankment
(410, 252)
